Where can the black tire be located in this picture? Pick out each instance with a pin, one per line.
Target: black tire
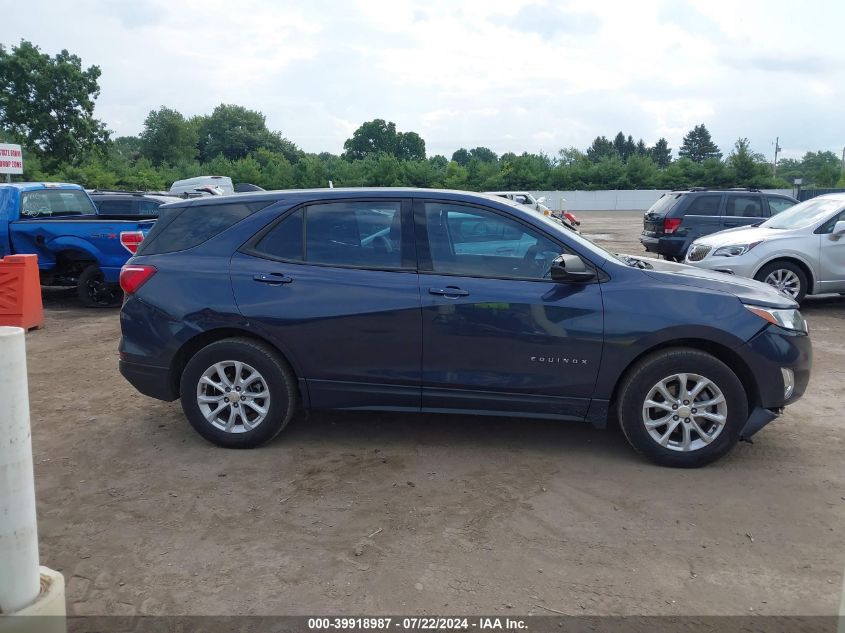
(768, 269)
(95, 292)
(647, 373)
(278, 379)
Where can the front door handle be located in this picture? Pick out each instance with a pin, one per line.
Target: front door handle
(274, 279)
(450, 292)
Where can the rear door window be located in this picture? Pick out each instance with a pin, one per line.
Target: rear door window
(744, 207)
(704, 205)
(345, 234)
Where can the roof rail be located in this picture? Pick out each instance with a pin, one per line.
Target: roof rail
(754, 189)
(128, 193)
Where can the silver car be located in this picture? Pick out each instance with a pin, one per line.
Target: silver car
(800, 251)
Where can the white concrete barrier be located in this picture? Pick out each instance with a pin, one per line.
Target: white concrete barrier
(610, 199)
(26, 588)
(20, 581)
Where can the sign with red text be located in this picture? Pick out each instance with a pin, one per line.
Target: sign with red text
(11, 159)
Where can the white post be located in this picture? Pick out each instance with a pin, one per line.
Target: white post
(20, 576)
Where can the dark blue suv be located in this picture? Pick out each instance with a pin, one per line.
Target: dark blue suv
(250, 307)
(678, 218)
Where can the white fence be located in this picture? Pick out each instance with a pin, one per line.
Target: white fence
(607, 200)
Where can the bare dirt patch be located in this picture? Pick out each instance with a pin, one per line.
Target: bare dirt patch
(387, 513)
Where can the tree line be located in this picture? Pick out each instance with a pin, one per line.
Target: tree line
(47, 105)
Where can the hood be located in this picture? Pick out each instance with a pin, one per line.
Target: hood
(741, 235)
(747, 290)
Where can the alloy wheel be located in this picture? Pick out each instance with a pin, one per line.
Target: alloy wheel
(684, 412)
(233, 396)
(784, 280)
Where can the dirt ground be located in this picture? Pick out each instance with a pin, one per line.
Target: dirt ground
(381, 513)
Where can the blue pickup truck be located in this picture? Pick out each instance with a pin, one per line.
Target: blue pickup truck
(75, 245)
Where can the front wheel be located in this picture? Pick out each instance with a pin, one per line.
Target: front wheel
(95, 292)
(238, 393)
(682, 407)
(786, 277)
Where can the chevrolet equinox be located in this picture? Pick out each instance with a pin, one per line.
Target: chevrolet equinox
(249, 307)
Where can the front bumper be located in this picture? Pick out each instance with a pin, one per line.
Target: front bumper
(741, 266)
(771, 350)
(767, 353)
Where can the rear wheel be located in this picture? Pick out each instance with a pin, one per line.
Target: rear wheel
(682, 407)
(238, 393)
(95, 292)
(786, 277)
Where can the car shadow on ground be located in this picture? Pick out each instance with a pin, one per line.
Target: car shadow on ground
(367, 430)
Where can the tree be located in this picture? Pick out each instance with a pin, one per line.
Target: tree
(370, 139)
(456, 176)
(48, 102)
(461, 156)
(601, 148)
(410, 146)
(661, 153)
(741, 160)
(569, 155)
(168, 137)
(484, 155)
(641, 149)
(380, 137)
(821, 169)
(619, 145)
(698, 146)
(234, 132)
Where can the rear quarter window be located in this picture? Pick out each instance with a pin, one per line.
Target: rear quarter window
(704, 205)
(181, 228)
(665, 203)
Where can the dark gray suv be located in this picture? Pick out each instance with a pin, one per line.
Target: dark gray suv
(678, 218)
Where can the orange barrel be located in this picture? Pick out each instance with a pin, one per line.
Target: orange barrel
(20, 292)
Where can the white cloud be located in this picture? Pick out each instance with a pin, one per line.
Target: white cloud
(513, 75)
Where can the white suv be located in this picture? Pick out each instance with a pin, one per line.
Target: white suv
(800, 251)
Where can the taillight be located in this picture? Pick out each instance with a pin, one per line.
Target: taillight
(131, 240)
(670, 225)
(132, 277)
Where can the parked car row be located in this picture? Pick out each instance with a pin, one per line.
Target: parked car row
(250, 307)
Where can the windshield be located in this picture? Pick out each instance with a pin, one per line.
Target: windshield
(804, 214)
(55, 202)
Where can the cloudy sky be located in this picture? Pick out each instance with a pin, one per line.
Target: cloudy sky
(512, 75)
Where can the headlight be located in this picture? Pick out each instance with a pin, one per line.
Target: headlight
(734, 251)
(787, 319)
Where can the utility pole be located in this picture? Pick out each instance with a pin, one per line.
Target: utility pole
(777, 149)
(843, 159)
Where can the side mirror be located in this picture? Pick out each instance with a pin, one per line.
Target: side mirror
(570, 268)
(839, 228)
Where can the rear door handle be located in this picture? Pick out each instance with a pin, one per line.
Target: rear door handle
(450, 291)
(274, 279)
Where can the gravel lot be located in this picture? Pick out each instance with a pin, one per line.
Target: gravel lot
(368, 513)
